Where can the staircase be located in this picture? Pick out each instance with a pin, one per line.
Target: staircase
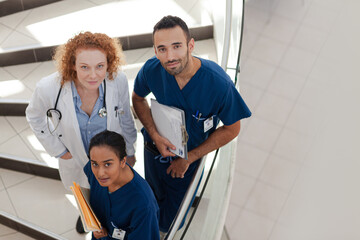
(33, 202)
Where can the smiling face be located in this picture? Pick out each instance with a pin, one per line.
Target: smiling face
(173, 50)
(108, 169)
(90, 66)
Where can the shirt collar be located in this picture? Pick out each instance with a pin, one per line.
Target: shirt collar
(76, 96)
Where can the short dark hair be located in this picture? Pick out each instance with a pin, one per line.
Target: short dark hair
(171, 22)
(112, 140)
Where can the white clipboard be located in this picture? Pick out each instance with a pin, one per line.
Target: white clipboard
(170, 123)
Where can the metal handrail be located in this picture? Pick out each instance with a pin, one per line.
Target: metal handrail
(237, 69)
(227, 35)
(201, 194)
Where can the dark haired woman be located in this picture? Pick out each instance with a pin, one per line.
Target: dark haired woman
(121, 199)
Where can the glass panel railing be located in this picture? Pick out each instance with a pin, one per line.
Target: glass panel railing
(186, 202)
(206, 221)
(233, 63)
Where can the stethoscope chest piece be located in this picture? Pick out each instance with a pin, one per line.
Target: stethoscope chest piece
(102, 112)
(50, 112)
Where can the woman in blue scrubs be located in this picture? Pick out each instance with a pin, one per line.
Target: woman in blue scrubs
(120, 198)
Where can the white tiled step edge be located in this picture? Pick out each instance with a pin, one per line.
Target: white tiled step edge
(28, 228)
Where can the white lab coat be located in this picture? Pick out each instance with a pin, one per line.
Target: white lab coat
(67, 134)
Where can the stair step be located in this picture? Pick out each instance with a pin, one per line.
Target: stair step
(13, 107)
(39, 204)
(41, 29)
(27, 228)
(41, 54)
(11, 7)
(20, 150)
(28, 166)
(7, 233)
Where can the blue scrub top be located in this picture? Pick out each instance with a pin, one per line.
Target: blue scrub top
(210, 92)
(132, 208)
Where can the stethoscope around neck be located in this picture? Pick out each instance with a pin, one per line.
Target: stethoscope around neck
(51, 111)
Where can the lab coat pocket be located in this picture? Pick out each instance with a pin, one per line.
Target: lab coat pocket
(119, 113)
(71, 171)
(66, 170)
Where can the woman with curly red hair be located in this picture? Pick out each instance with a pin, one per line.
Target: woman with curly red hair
(87, 95)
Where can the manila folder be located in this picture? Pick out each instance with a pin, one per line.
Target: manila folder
(88, 218)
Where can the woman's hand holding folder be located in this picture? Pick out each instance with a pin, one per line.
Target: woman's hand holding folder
(100, 234)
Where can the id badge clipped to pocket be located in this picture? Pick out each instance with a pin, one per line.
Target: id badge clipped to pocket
(118, 234)
(208, 124)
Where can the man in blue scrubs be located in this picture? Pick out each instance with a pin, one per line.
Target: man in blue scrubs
(206, 94)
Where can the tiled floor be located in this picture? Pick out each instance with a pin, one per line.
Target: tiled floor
(297, 169)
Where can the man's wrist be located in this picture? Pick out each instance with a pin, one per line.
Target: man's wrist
(154, 135)
(192, 157)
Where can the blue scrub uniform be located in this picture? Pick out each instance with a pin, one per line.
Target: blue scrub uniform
(132, 208)
(209, 96)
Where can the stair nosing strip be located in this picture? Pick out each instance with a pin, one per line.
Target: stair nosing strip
(29, 166)
(24, 227)
(14, 101)
(24, 160)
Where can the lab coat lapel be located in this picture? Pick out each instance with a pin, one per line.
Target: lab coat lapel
(69, 115)
(110, 99)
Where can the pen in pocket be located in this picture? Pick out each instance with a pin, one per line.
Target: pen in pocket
(116, 111)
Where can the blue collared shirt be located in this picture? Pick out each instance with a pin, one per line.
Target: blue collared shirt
(89, 126)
